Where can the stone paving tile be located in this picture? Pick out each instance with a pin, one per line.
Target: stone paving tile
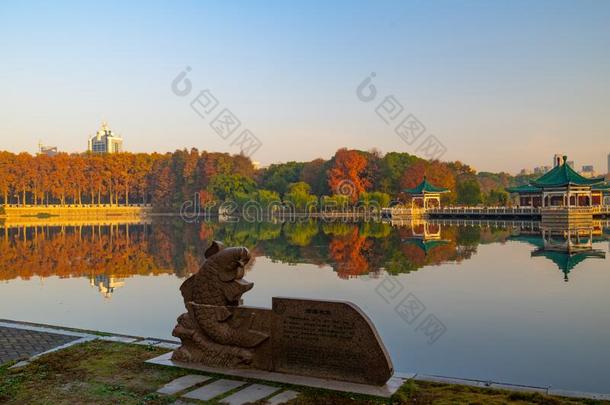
(182, 383)
(213, 389)
(253, 393)
(18, 344)
(282, 397)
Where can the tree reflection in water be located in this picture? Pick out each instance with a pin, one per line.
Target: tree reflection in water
(118, 251)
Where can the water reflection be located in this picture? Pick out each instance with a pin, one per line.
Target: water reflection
(106, 284)
(108, 254)
(567, 247)
(497, 286)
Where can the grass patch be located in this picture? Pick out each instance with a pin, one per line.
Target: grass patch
(419, 392)
(101, 372)
(96, 372)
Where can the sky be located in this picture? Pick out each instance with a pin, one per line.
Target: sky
(501, 85)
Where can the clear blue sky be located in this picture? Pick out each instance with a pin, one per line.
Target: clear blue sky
(503, 84)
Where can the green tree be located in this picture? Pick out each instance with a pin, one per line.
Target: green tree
(300, 197)
(279, 177)
(497, 197)
(333, 203)
(226, 186)
(314, 174)
(375, 199)
(392, 167)
(469, 192)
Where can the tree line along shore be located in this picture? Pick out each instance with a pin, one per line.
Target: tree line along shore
(165, 181)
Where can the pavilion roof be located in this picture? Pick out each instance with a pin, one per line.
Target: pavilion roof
(564, 175)
(538, 241)
(566, 261)
(601, 187)
(425, 187)
(535, 240)
(427, 245)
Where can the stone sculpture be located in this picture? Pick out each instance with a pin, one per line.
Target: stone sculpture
(327, 339)
(207, 330)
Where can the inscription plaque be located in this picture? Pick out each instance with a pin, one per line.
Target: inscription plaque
(328, 339)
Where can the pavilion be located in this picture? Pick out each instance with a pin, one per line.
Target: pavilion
(425, 195)
(562, 187)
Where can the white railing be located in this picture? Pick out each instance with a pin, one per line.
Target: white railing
(485, 210)
(76, 206)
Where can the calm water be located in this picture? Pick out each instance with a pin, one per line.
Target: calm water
(508, 307)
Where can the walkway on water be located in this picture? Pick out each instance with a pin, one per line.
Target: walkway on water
(24, 342)
(494, 212)
(74, 210)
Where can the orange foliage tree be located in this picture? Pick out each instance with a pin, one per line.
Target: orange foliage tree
(347, 175)
(437, 173)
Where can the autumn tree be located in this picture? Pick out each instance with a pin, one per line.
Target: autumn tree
(347, 174)
(435, 172)
(6, 175)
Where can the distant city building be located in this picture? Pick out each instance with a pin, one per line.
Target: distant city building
(105, 141)
(608, 164)
(588, 171)
(525, 172)
(47, 150)
(541, 169)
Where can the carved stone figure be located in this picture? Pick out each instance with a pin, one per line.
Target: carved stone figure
(327, 339)
(208, 330)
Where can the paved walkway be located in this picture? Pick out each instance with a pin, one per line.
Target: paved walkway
(225, 391)
(20, 344)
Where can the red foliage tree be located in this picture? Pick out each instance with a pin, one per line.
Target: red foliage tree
(347, 175)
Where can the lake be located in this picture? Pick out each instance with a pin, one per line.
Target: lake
(490, 301)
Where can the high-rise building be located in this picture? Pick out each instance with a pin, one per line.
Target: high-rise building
(105, 141)
(47, 150)
(588, 171)
(542, 169)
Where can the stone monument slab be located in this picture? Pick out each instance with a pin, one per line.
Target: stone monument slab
(327, 339)
(323, 339)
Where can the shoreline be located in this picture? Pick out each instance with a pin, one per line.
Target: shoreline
(86, 335)
(49, 211)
